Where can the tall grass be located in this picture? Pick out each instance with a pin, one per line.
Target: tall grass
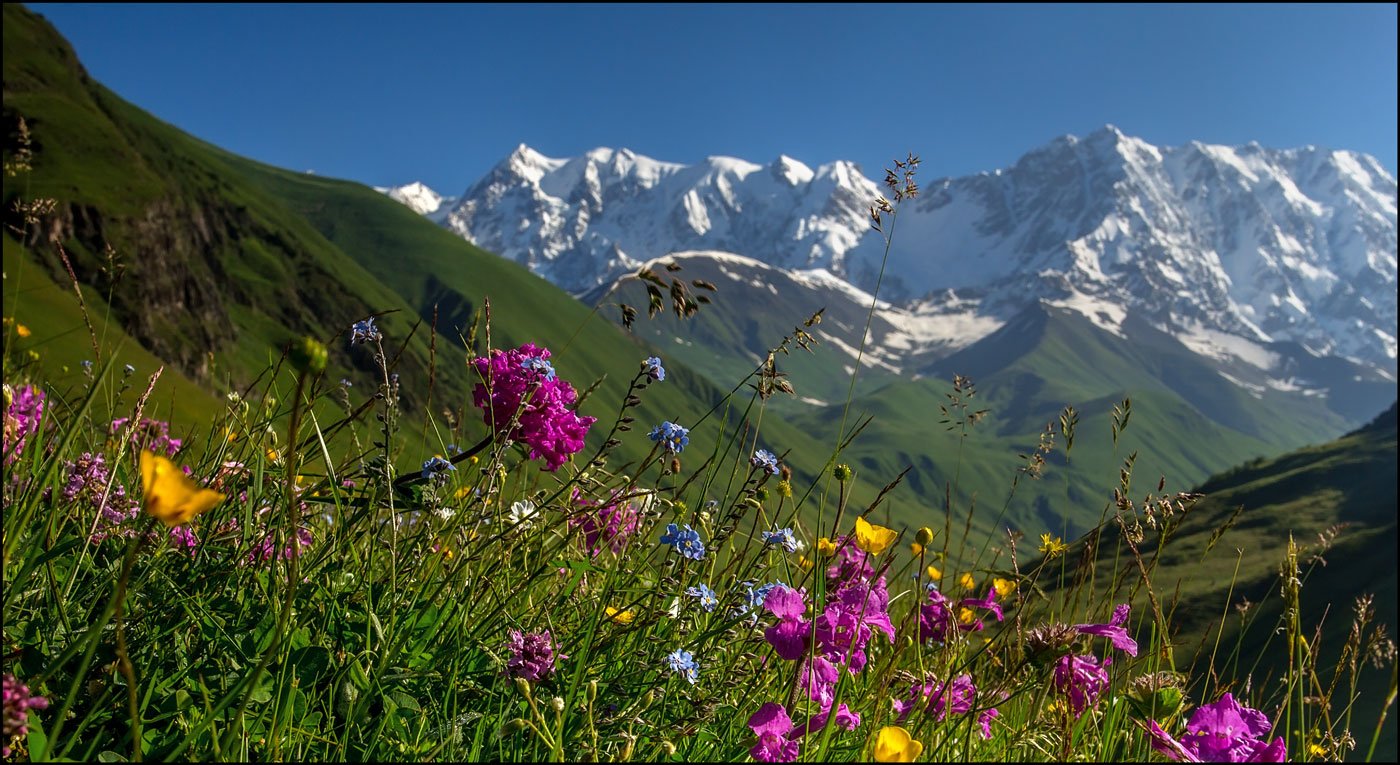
(348, 599)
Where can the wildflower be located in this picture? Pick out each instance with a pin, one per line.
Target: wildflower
(345, 383)
(672, 437)
(436, 467)
(521, 514)
(17, 702)
(686, 542)
(707, 598)
(782, 537)
(531, 655)
(611, 526)
(933, 572)
(915, 548)
(153, 435)
(989, 603)
(825, 547)
(521, 404)
(873, 539)
(682, 662)
(1114, 631)
(128, 370)
(766, 460)
(654, 369)
(1225, 731)
(924, 536)
(789, 636)
(1082, 679)
(967, 582)
(364, 332)
(539, 365)
(1052, 546)
(942, 699)
(169, 494)
(24, 410)
(1003, 587)
(841, 472)
(1048, 642)
(772, 725)
(894, 744)
(618, 615)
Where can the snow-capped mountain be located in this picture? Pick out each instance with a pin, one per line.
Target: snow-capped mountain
(420, 199)
(1229, 249)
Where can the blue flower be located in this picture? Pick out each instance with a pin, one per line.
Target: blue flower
(128, 369)
(707, 597)
(364, 331)
(683, 662)
(437, 467)
(765, 459)
(345, 383)
(539, 364)
(672, 436)
(782, 537)
(755, 599)
(654, 369)
(686, 542)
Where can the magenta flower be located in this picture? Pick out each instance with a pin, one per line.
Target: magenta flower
(844, 717)
(789, 636)
(853, 612)
(17, 702)
(531, 655)
(523, 401)
(610, 526)
(22, 419)
(942, 699)
(1114, 631)
(1082, 679)
(772, 725)
(989, 603)
(1222, 732)
(937, 619)
(149, 435)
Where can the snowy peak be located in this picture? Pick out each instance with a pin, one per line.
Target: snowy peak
(1259, 244)
(417, 197)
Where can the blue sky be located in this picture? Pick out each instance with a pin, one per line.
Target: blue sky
(440, 93)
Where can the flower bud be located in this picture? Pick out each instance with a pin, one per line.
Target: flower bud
(924, 537)
(841, 472)
(308, 356)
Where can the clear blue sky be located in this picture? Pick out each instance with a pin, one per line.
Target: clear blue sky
(440, 93)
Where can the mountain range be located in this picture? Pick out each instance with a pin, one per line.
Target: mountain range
(1277, 267)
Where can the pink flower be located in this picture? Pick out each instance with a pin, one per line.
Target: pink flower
(1114, 631)
(1222, 732)
(531, 655)
(521, 399)
(17, 703)
(1082, 679)
(772, 725)
(22, 419)
(789, 636)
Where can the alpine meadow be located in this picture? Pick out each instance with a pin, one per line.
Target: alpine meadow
(609, 458)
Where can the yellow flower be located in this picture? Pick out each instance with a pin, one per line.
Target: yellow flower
(933, 572)
(169, 494)
(924, 536)
(967, 581)
(825, 547)
(916, 549)
(22, 330)
(805, 562)
(1052, 546)
(1317, 750)
(894, 744)
(873, 539)
(966, 616)
(273, 456)
(1003, 587)
(619, 616)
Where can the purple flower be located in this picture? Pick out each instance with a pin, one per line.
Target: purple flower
(17, 703)
(789, 636)
(22, 419)
(610, 526)
(150, 435)
(844, 717)
(531, 655)
(772, 725)
(941, 699)
(520, 403)
(1082, 679)
(1114, 631)
(1222, 732)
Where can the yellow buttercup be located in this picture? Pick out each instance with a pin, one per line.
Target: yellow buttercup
(894, 744)
(873, 539)
(169, 494)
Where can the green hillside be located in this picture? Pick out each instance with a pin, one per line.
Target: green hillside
(220, 261)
